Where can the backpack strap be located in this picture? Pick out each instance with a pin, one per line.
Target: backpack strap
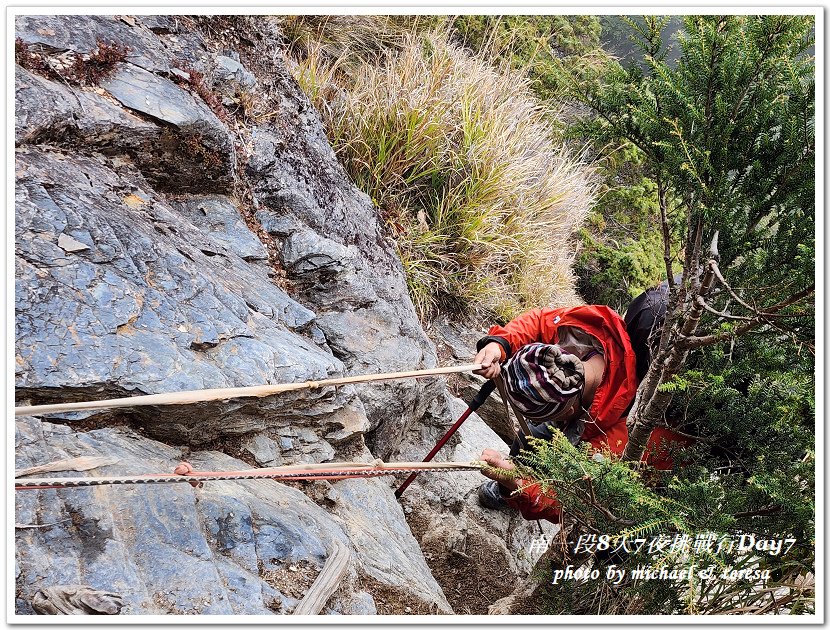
(524, 428)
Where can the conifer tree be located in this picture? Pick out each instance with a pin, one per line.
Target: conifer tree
(728, 137)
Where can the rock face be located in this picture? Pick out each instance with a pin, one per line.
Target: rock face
(82, 33)
(177, 142)
(160, 246)
(243, 548)
(151, 304)
(476, 554)
(333, 249)
(458, 344)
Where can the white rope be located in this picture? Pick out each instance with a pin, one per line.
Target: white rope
(204, 395)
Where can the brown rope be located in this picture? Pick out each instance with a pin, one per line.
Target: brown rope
(203, 395)
(184, 473)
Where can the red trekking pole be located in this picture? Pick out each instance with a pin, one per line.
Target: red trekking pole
(477, 401)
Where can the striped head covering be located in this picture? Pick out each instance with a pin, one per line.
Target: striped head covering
(541, 379)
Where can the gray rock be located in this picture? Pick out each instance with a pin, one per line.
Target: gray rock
(229, 69)
(196, 157)
(450, 524)
(71, 245)
(299, 445)
(47, 110)
(263, 450)
(374, 521)
(221, 220)
(306, 254)
(158, 97)
(40, 105)
(81, 33)
(492, 412)
(180, 74)
(200, 131)
(223, 548)
(460, 343)
(278, 225)
(355, 280)
(145, 309)
(360, 604)
(159, 546)
(318, 452)
(160, 24)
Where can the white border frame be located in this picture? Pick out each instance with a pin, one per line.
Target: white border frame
(370, 7)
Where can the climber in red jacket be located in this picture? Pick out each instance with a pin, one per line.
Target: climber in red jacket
(572, 368)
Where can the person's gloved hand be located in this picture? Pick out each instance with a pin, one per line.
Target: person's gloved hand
(497, 460)
(490, 359)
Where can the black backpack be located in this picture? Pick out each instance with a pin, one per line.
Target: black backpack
(644, 321)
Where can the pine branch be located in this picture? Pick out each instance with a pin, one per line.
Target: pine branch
(691, 342)
(756, 73)
(775, 509)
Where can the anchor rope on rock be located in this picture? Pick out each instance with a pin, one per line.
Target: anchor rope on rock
(204, 395)
(184, 473)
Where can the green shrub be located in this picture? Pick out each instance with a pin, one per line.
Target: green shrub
(542, 46)
(621, 251)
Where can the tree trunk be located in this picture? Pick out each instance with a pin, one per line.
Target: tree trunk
(651, 403)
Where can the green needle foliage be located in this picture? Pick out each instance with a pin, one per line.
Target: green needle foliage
(621, 253)
(545, 47)
(726, 133)
(730, 128)
(683, 520)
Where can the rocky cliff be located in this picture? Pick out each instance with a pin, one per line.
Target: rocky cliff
(166, 238)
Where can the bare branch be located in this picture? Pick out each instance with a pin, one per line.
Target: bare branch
(664, 224)
(724, 315)
(734, 295)
(698, 238)
(690, 342)
(690, 325)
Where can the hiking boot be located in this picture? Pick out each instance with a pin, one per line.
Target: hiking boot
(490, 496)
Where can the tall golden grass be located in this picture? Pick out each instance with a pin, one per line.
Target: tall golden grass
(462, 162)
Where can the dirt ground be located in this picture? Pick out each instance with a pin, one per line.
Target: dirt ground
(394, 601)
(472, 577)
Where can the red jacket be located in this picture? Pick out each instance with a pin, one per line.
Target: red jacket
(612, 398)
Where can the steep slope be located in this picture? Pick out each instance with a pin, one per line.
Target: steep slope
(167, 241)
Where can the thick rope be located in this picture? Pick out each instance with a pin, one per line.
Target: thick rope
(184, 473)
(204, 395)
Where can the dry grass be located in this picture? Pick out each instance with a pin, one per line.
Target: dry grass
(462, 162)
(354, 37)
